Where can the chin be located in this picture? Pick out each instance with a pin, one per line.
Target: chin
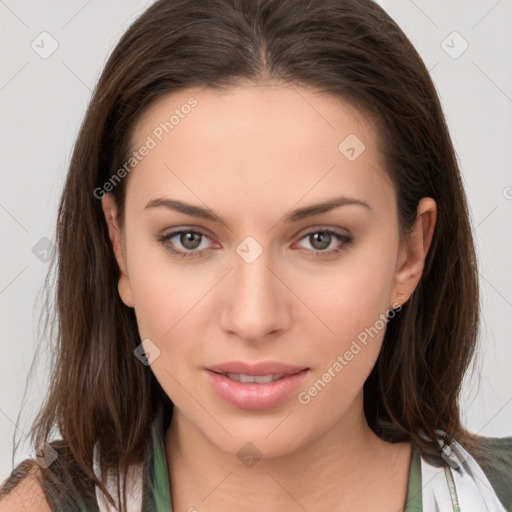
(265, 442)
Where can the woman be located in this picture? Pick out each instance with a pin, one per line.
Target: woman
(266, 284)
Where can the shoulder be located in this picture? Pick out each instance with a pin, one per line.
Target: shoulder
(22, 491)
(496, 462)
(62, 485)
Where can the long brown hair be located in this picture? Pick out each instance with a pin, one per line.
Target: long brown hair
(349, 48)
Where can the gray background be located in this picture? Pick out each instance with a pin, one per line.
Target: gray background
(43, 101)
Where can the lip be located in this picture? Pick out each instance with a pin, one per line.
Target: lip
(261, 368)
(254, 395)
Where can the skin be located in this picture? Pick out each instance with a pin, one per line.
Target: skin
(252, 153)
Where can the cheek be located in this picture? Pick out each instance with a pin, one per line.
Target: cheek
(358, 324)
(352, 300)
(164, 290)
(169, 303)
(353, 296)
(354, 306)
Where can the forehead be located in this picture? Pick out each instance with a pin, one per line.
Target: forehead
(263, 109)
(265, 143)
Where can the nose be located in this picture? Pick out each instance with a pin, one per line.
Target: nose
(256, 304)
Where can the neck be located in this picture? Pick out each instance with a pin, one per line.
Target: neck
(334, 470)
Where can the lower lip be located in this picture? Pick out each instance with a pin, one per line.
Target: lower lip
(252, 395)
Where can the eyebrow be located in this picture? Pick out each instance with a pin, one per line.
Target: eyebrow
(292, 216)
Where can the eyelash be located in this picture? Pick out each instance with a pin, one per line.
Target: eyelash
(345, 239)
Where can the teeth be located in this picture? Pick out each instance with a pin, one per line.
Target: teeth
(259, 379)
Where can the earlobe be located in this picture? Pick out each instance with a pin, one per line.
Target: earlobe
(109, 207)
(414, 251)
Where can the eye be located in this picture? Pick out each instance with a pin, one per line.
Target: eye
(323, 239)
(189, 239)
(191, 242)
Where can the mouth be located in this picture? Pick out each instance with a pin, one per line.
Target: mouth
(259, 379)
(259, 386)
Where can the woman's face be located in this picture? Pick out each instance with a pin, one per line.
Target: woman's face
(259, 275)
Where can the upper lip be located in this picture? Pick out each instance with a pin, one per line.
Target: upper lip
(262, 368)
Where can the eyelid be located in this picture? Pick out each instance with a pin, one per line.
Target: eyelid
(322, 227)
(343, 239)
(301, 234)
(185, 229)
(343, 233)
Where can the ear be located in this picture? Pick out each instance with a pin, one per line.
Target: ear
(109, 206)
(413, 252)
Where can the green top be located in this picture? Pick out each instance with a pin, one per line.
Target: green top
(76, 493)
